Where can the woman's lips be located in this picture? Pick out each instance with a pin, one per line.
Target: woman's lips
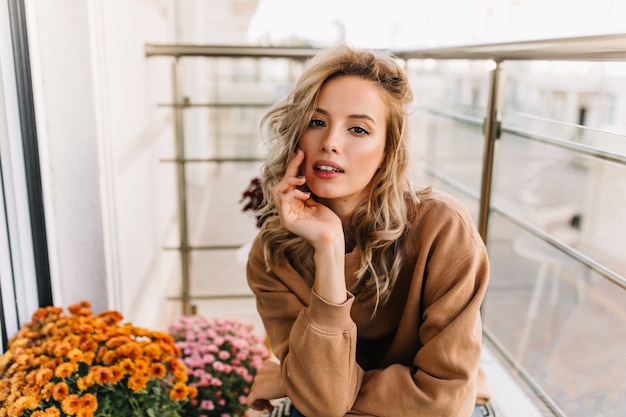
(327, 169)
(327, 166)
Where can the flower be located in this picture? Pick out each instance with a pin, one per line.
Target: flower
(87, 365)
(221, 358)
(253, 199)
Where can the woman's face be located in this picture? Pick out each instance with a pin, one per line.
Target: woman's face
(344, 143)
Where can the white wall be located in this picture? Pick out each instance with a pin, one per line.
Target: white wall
(110, 202)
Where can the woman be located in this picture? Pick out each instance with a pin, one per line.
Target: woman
(369, 291)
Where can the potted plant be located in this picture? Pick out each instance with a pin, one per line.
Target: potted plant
(221, 357)
(87, 365)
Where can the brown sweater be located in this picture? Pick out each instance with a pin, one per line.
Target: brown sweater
(418, 356)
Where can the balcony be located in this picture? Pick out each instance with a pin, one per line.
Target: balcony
(530, 135)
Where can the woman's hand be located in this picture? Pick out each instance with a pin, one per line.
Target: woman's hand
(302, 215)
(266, 387)
(319, 225)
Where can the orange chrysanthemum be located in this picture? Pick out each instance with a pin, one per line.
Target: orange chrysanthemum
(77, 308)
(84, 382)
(73, 340)
(31, 377)
(130, 350)
(71, 404)
(89, 357)
(109, 357)
(61, 349)
(43, 375)
(46, 391)
(141, 332)
(117, 341)
(85, 328)
(88, 345)
(31, 390)
(116, 374)
(23, 359)
(89, 402)
(75, 355)
(102, 375)
(60, 390)
(153, 351)
(127, 366)
(22, 404)
(157, 370)
(84, 413)
(181, 376)
(142, 366)
(47, 312)
(125, 330)
(52, 412)
(65, 370)
(4, 393)
(110, 317)
(137, 382)
(175, 365)
(179, 392)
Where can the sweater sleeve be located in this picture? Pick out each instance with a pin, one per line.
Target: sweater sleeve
(443, 378)
(315, 341)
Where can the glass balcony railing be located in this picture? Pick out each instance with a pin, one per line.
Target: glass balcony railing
(530, 135)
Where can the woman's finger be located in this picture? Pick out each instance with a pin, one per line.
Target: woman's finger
(294, 165)
(287, 184)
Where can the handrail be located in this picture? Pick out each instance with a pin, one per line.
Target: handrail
(229, 51)
(564, 144)
(603, 271)
(530, 381)
(608, 47)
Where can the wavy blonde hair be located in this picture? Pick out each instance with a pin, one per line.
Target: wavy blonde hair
(378, 226)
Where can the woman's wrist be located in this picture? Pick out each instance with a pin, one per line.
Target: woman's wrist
(330, 282)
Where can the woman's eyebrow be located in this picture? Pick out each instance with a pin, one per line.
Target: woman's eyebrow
(362, 116)
(352, 116)
(322, 111)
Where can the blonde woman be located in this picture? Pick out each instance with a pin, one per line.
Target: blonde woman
(369, 291)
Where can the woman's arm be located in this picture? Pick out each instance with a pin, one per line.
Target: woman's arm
(319, 226)
(314, 340)
(448, 284)
(324, 327)
(444, 377)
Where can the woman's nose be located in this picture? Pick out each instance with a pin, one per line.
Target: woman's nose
(330, 143)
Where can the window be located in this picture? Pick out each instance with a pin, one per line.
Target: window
(24, 281)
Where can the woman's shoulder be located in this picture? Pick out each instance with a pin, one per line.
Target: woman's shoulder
(430, 198)
(437, 209)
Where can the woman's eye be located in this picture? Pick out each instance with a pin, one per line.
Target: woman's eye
(359, 130)
(316, 123)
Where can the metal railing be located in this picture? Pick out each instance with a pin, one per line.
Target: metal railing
(592, 48)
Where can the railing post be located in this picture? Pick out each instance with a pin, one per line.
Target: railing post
(491, 130)
(181, 181)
